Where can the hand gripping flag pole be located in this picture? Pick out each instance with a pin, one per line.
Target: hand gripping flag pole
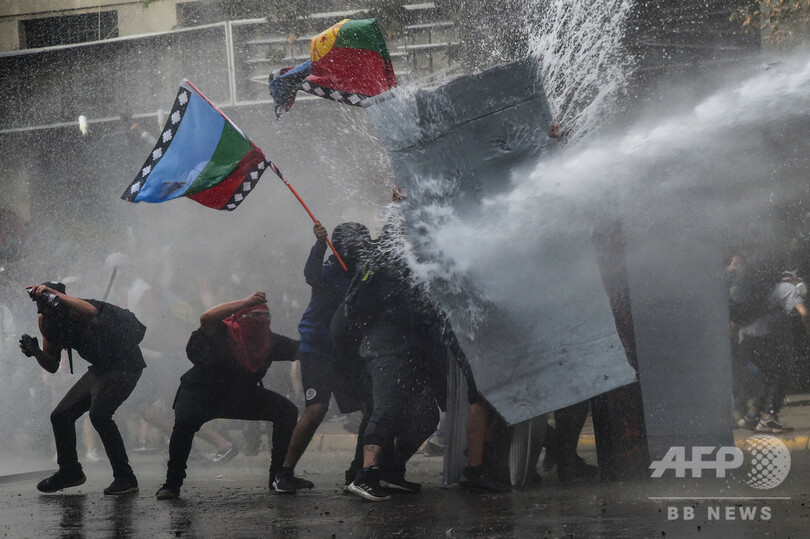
(275, 169)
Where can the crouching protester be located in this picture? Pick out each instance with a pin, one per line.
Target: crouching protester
(231, 352)
(107, 337)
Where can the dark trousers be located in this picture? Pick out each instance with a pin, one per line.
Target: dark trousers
(765, 353)
(101, 395)
(194, 406)
(569, 422)
(404, 411)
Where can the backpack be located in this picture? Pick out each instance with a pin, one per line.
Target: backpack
(120, 328)
(121, 325)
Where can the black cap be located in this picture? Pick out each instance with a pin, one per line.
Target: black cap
(59, 287)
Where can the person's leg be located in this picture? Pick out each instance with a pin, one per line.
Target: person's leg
(480, 419)
(63, 419)
(476, 429)
(109, 391)
(387, 398)
(357, 463)
(418, 423)
(304, 431)
(750, 351)
(260, 404)
(768, 358)
(316, 377)
(419, 420)
(192, 408)
(496, 449)
(569, 422)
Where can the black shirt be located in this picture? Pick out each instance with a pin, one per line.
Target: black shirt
(215, 366)
(111, 341)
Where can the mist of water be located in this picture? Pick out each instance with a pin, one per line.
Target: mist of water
(585, 68)
(735, 150)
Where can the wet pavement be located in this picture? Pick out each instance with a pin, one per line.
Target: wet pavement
(233, 500)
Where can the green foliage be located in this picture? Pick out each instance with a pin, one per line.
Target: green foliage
(782, 23)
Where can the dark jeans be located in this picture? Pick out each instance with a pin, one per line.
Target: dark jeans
(101, 395)
(404, 411)
(766, 354)
(569, 422)
(194, 406)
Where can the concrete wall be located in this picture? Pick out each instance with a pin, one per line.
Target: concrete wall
(133, 18)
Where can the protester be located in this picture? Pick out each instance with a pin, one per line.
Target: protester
(107, 337)
(231, 352)
(319, 375)
(153, 400)
(400, 330)
(763, 342)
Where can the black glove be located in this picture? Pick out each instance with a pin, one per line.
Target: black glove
(29, 345)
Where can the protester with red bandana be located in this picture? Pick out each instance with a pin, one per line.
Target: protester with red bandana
(231, 352)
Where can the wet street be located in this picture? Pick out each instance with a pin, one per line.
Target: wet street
(233, 500)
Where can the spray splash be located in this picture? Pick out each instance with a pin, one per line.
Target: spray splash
(726, 148)
(584, 66)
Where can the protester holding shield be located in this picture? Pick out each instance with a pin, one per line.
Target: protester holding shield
(107, 337)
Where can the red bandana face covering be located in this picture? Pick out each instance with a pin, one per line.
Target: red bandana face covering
(248, 333)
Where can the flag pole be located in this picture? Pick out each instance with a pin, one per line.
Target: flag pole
(278, 173)
(314, 220)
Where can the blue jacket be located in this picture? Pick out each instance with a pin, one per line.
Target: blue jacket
(329, 284)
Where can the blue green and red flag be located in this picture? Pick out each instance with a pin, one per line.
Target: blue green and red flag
(348, 62)
(200, 154)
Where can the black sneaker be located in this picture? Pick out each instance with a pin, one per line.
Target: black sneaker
(226, 455)
(395, 479)
(367, 485)
(167, 492)
(473, 477)
(287, 483)
(122, 485)
(61, 480)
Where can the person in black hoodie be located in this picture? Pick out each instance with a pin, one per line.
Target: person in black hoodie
(107, 337)
(400, 334)
(231, 352)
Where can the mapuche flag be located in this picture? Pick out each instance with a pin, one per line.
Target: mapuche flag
(348, 62)
(200, 154)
